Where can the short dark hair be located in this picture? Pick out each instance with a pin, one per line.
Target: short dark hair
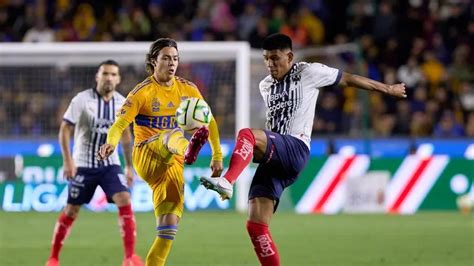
(277, 41)
(109, 62)
(155, 49)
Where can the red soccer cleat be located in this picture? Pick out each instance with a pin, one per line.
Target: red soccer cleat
(52, 262)
(134, 260)
(198, 139)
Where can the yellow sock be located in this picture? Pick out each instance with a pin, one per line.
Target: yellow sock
(158, 252)
(176, 142)
(161, 246)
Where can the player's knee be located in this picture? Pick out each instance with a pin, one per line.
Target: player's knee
(166, 231)
(121, 199)
(72, 210)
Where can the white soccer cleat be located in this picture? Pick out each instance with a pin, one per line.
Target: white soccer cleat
(218, 184)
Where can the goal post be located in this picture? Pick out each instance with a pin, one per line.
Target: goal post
(64, 55)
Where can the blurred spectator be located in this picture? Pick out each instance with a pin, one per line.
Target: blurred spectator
(247, 21)
(470, 125)
(448, 127)
(402, 118)
(222, 20)
(410, 74)
(277, 20)
(259, 33)
(313, 25)
(385, 22)
(428, 45)
(418, 103)
(421, 125)
(84, 22)
(328, 119)
(432, 68)
(39, 33)
(295, 31)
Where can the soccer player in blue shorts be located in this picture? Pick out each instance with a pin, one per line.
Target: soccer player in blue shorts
(290, 93)
(89, 115)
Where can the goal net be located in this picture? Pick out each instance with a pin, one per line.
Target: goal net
(37, 81)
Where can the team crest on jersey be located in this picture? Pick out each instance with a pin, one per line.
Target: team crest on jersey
(296, 78)
(155, 105)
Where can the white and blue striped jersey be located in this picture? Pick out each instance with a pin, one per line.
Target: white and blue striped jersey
(92, 116)
(290, 103)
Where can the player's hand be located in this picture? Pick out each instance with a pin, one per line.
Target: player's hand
(129, 175)
(105, 151)
(216, 167)
(69, 170)
(397, 90)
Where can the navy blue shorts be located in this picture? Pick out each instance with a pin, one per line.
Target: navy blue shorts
(283, 161)
(82, 187)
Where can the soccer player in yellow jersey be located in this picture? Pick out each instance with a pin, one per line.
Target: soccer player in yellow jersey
(160, 146)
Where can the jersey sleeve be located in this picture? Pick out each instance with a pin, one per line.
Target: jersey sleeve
(131, 106)
(73, 111)
(323, 75)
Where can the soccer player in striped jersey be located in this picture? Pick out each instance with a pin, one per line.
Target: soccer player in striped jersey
(89, 115)
(160, 146)
(290, 93)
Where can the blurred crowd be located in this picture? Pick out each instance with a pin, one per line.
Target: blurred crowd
(428, 45)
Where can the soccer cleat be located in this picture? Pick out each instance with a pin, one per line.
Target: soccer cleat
(52, 262)
(218, 184)
(198, 139)
(134, 260)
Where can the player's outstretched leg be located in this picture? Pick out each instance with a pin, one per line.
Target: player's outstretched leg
(219, 185)
(161, 247)
(198, 139)
(61, 231)
(241, 157)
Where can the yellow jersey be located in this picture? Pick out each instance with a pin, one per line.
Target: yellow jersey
(151, 108)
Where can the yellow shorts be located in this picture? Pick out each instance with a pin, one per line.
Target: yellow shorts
(163, 172)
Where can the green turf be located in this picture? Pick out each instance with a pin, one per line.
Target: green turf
(221, 239)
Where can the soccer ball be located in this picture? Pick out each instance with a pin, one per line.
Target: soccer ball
(192, 114)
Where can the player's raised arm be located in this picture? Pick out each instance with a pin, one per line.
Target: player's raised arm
(66, 131)
(127, 154)
(128, 112)
(214, 141)
(397, 90)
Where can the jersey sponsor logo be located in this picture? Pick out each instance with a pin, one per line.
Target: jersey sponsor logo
(101, 125)
(277, 96)
(160, 122)
(281, 105)
(265, 243)
(155, 105)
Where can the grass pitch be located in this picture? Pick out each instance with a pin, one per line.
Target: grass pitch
(220, 238)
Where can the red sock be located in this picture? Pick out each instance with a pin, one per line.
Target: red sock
(242, 154)
(127, 229)
(61, 231)
(263, 244)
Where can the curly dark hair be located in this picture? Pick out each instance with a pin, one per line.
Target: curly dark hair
(155, 49)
